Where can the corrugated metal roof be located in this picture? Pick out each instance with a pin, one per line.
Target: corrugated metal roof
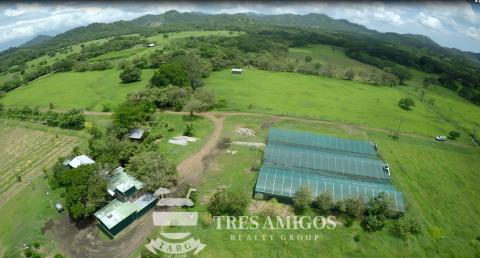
(136, 134)
(80, 160)
(115, 212)
(122, 182)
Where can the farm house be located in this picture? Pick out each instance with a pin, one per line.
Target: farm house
(130, 203)
(346, 168)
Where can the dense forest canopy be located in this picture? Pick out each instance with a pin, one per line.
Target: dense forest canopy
(266, 40)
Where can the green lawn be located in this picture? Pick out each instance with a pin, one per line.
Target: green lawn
(23, 217)
(438, 180)
(327, 55)
(170, 125)
(336, 100)
(85, 90)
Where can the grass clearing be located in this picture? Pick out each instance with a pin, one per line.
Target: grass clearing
(171, 125)
(328, 55)
(86, 90)
(278, 93)
(24, 216)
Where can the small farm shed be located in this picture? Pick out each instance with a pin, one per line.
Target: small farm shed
(136, 134)
(237, 71)
(80, 160)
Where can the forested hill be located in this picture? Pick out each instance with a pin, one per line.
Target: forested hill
(36, 41)
(457, 70)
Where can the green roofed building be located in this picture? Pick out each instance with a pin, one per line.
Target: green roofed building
(123, 184)
(131, 203)
(345, 168)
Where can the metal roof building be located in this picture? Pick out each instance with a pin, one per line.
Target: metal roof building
(80, 160)
(122, 183)
(136, 134)
(346, 168)
(128, 207)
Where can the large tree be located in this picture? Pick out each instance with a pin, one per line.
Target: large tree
(86, 190)
(131, 74)
(153, 169)
(171, 73)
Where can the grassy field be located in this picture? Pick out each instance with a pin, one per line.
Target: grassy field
(25, 207)
(437, 179)
(328, 55)
(337, 100)
(169, 126)
(86, 90)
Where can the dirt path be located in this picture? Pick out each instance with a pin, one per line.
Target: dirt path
(191, 169)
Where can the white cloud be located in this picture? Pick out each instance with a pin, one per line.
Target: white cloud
(22, 8)
(429, 21)
(473, 32)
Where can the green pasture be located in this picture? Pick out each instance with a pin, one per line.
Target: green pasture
(85, 90)
(344, 101)
(23, 217)
(171, 125)
(327, 55)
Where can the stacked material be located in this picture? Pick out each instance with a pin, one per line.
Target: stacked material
(244, 132)
(182, 140)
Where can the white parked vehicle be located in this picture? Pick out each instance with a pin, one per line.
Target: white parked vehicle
(440, 138)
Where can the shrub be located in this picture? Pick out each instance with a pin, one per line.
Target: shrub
(406, 104)
(228, 203)
(189, 130)
(354, 207)
(258, 196)
(356, 238)
(348, 222)
(131, 74)
(339, 207)
(302, 200)
(324, 202)
(405, 228)
(373, 222)
(453, 135)
(106, 108)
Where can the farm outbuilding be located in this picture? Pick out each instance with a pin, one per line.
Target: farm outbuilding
(345, 168)
(136, 134)
(130, 203)
(237, 71)
(123, 184)
(79, 161)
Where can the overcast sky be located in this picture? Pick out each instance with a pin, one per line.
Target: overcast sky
(451, 24)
